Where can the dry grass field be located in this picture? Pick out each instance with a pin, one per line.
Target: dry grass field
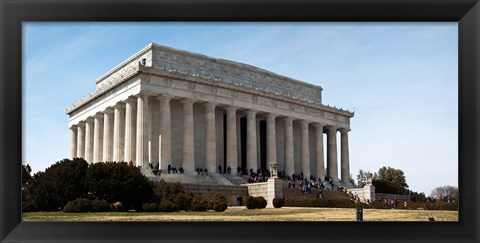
(243, 214)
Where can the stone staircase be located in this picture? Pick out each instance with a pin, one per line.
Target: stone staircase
(295, 193)
(194, 178)
(188, 178)
(235, 179)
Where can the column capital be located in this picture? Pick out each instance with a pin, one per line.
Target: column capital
(108, 110)
(130, 99)
(164, 97)
(119, 105)
(344, 130)
(187, 100)
(288, 119)
(319, 125)
(330, 128)
(231, 108)
(144, 95)
(98, 115)
(73, 127)
(80, 124)
(252, 112)
(210, 104)
(89, 119)
(271, 115)
(305, 122)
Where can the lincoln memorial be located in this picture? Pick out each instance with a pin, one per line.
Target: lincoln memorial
(168, 106)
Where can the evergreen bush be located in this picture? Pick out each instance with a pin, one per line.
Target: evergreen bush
(100, 206)
(78, 205)
(250, 202)
(150, 207)
(278, 202)
(216, 201)
(167, 206)
(199, 204)
(261, 202)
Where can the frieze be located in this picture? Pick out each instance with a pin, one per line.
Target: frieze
(191, 86)
(274, 103)
(213, 90)
(168, 82)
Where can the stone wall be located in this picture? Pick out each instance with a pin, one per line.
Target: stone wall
(268, 190)
(400, 198)
(365, 193)
(230, 192)
(368, 192)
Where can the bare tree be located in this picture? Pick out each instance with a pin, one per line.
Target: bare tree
(444, 193)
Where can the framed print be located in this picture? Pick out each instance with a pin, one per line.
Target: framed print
(166, 63)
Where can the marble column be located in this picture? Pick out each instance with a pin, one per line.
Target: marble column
(305, 154)
(332, 153)
(108, 135)
(188, 142)
(143, 131)
(81, 140)
(98, 138)
(165, 155)
(232, 161)
(89, 140)
(130, 129)
(319, 155)
(289, 159)
(73, 141)
(251, 140)
(345, 160)
(210, 141)
(118, 132)
(271, 140)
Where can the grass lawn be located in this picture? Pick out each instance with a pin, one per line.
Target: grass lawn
(243, 214)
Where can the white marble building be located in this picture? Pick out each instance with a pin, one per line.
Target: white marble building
(170, 106)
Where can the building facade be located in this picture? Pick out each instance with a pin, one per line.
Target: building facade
(168, 106)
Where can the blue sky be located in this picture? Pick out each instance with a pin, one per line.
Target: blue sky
(401, 79)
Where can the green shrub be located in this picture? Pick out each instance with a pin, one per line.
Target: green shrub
(216, 201)
(199, 204)
(78, 205)
(445, 206)
(61, 183)
(100, 206)
(261, 202)
(220, 205)
(150, 207)
(183, 200)
(378, 204)
(278, 202)
(167, 206)
(250, 202)
(255, 202)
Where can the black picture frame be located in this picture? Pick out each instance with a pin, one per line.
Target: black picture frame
(14, 12)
